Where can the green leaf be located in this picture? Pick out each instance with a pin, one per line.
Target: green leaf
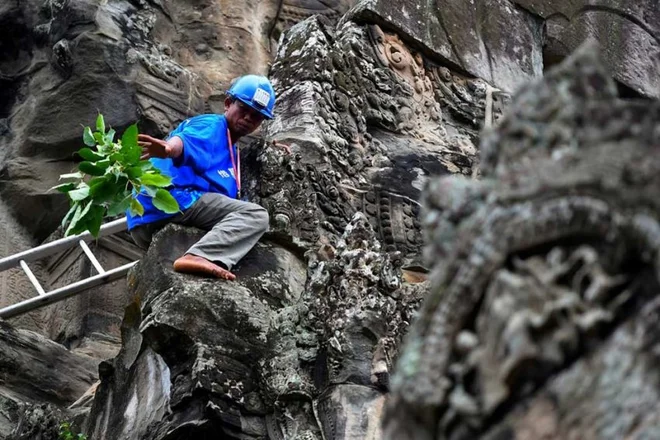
(69, 215)
(94, 219)
(76, 224)
(134, 172)
(76, 175)
(89, 154)
(91, 169)
(79, 194)
(129, 145)
(136, 207)
(105, 163)
(110, 136)
(101, 190)
(96, 180)
(120, 207)
(130, 136)
(100, 123)
(146, 165)
(164, 201)
(98, 137)
(158, 180)
(150, 190)
(116, 157)
(88, 137)
(64, 187)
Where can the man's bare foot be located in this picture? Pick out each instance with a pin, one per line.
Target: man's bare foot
(194, 264)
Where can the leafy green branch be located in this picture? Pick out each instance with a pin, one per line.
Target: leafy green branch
(66, 433)
(108, 180)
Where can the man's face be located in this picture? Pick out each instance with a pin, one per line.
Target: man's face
(241, 118)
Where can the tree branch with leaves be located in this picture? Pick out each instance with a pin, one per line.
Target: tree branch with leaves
(109, 179)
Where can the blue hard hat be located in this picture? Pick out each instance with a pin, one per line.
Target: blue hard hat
(255, 91)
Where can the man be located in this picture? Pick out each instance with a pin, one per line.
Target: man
(204, 163)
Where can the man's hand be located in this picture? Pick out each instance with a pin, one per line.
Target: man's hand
(153, 147)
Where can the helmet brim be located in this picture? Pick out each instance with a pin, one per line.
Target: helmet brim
(263, 111)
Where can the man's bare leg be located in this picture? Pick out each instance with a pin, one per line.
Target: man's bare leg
(193, 264)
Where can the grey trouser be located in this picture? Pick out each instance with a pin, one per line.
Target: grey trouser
(233, 226)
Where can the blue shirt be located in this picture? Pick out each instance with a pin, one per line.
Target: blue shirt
(205, 166)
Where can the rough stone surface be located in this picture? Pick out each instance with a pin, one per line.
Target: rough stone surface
(544, 269)
(474, 36)
(302, 346)
(290, 350)
(368, 120)
(507, 42)
(14, 284)
(628, 32)
(38, 378)
(62, 62)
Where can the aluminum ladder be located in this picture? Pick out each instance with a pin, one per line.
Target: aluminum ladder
(45, 298)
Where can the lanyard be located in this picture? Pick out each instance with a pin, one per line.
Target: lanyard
(236, 165)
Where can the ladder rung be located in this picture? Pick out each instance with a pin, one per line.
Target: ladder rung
(91, 257)
(33, 279)
(64, 292)
(62, 244)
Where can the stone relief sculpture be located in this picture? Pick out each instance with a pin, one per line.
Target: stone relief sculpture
(304, 345)
(542, 267)
(509, 42)
(322, 306)
(369, 121)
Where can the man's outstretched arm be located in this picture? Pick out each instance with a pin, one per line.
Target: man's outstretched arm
(153, 147)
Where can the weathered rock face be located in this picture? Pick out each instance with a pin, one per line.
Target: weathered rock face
(75, 59)
(14, 284)
(302, 347)
(504, 41)
(285, 352)
(89, 322)
(542, 319)
(64, 61)
(628, 33)
(491, 39)
(39, 378)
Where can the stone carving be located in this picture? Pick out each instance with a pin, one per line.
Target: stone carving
(536, 262)
(468, 35)
(308, 356)
(508, 42)
(378, 119)
(304, 341)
